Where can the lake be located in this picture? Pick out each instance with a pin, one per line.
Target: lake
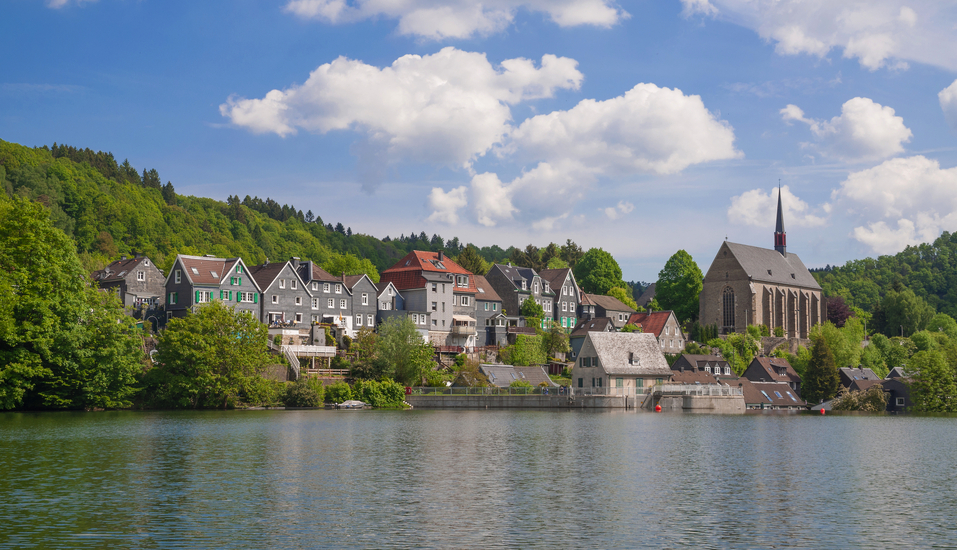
(475, 479)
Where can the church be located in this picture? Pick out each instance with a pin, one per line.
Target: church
(748, 285)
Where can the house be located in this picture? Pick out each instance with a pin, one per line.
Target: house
(514, 285)
(388, 297)
(692, 376)
(577, 338)
(286, 304)
(488, 314)
(606, 306)
(770, 395)
(567, 296)
(773, 369)
(364, 301)
(853, 377)
(747, 285)
(897, 388)
(502, 376)
(619, 363)
(710, 364)
(137, 281)
(196, 280)
(664, 325)
(432, 282)
(331, 300)
(647, 295)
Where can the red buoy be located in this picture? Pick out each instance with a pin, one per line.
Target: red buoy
(657, 408)
(822, 410)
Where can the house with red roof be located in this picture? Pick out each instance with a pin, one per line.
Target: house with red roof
(664, 325)
(196, 280)
(433, 282)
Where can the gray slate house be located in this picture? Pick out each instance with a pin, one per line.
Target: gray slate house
(364, 301)
(514, 285)
(137, 281)
(197, 280)
(389, 297)
(619, 363)
(331, 300)
(849, 376)
(773, 369)
(710, 364)
(577, 338)
(286, 302)
(488, 314)
(567, 296)
(594, 306)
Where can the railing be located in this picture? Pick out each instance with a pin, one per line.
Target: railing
(548, 392)
(459, 330)
(293, 360)
(311, 351)
(626, 391)
(327, 372)
(695, 389)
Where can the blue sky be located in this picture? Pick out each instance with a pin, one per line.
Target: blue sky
(638, 127)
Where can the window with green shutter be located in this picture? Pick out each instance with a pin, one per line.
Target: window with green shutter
(255, 298)
(239, 296)
(197, 296)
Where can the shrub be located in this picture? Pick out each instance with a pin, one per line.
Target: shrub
(338, 393)
(305, 392)
(779, 331)
(460, 359)
(521, 384)
(340, 363)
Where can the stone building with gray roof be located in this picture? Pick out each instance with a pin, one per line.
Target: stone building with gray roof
(748, 285)
(619, 363)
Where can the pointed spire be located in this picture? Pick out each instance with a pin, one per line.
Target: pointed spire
(780, 235)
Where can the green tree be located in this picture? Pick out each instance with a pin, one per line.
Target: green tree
(401, 348)
(872, 399)
(944, 323)
(208, 359)
(531, 310)
(571, 253)
(527, 350)
(555, 339)
(349, 264)
(472, 261)
(556, 263)
(304, 392)
(597, 272)
(844, 342)
(624, 296)
(821, 378)
(934, 388)
(905, 311)
(633, 328)
(679, 284)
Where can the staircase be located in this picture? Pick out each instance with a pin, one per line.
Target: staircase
(293, 361)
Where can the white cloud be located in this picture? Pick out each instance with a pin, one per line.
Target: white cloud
(445, 206)
(492, 199)
(441, 19)
(878, 33)
(759, 209)
(619, 210)
(646, 130)
(446, 108)
(948, 103)
(864, 131)
(912, 194)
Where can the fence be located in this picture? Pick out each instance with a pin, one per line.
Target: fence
(626, 391)
(455, 390)
(695, 389)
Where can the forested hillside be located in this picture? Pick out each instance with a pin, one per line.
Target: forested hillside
(930, 270)
(112, 208)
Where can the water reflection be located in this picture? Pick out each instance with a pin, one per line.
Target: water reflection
(440, 479)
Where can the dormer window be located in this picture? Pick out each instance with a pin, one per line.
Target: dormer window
(524, 285)
(535, 288)
(633, 359)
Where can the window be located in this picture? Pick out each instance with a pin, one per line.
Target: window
(140, 275)
(370, 320)
(667, 330)
(455, 300)
(434, 322)
(299, 318)
(298, 300)
(593, 382)
(315, 286)
(727, 370)
(247, 297)
(443, 309)
(359, 320)
(619, 382)
(330, 303)
(486, 306)
(443, 322)
(203, 296)
(365, 299)
(342, 304)
(325, 287)
(282, 283)
(708, 370)
(194, 270)
(315, 319)
(275, 299)
(524, 285)
(535, 288)
(462, 280)
(146, 263)
(564, 291)
(564, 306)
(338, 289)
(173, 297)
(435, 306)
(239, 268)
(293, 284)
(599, 382)
(435, 287)
(900, 401)
(315, 303)
(728, 307)
(465, 300)
(179, 276)
(494, 307)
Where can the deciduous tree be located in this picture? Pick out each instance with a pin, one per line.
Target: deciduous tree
(401, 348)
(679, 284)
(597, 272)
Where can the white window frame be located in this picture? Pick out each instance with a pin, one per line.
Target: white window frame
(325, 287)
(899, 401)
(365, 299)
(298, 300)
(275, 299)
(179, 276)
(298, 318)
(465, 301)
(370, 320)
(315, 287)
(342, 303)
(315, 303)
(358, 319)
(338, 289)
(205, 297)
(282, 283)
(331, 303)
(455, 300)
(293, 284)
(140, 275)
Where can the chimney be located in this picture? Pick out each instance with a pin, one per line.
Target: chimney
(123, 257)
(295, 262)
(266, 262)
(441, 255)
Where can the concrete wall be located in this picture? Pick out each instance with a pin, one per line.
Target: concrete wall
(700, 403)
(518, 402)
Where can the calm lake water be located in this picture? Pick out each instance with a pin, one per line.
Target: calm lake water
(475, 479)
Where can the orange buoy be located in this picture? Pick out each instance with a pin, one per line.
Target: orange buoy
(657, 408)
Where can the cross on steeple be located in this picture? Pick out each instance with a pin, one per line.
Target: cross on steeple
(780, 236)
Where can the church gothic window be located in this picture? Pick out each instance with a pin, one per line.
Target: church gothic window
(728, 307)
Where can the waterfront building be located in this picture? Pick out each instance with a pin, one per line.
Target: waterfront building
(619, 363)
(197, 280)
(137, 281)
(595, 305)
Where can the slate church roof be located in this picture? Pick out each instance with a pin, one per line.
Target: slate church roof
(770, 266)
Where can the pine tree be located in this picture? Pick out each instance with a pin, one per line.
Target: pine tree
(821, 379)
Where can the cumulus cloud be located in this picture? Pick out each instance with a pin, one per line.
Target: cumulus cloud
(646, 130)
(446, 108)
(441, 19)
(864, 131)
(878, 33)
(904, 201)
(948, 103)
(759, 209)
(619, 210)
(445, 206)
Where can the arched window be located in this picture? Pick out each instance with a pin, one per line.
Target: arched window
(728, 307)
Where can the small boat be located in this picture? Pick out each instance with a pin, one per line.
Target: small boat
(352, 404)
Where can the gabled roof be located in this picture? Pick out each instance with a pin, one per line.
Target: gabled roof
(502, 376)
(652, 323)
(608, 303)
(598, 324)
(351, 281)
(767, 265)
(862, 385)
(516, 275)
(692, 377)
(118, 270)
(413, 269)
(770, 394)
(265, 275)
(485, 290)
(200, 270)
(690, 361)
(849, 375)
(556, 277)
(317, 274)
(614, 349)
(767, 368)
(896, 372)
(647, 295)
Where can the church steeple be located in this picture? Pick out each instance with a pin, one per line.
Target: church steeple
(780, 236)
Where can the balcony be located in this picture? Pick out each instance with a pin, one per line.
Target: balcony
(462, 330)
